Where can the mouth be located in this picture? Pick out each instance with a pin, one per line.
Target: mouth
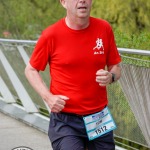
(82, 8)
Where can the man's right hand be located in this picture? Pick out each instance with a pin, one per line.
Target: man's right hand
(57, 103)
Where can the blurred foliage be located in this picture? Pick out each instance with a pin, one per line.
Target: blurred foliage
(26, 19)
(135, 41)
(130, 16)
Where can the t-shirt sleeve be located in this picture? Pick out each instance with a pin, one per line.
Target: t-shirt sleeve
(41, 53)
(113, 56)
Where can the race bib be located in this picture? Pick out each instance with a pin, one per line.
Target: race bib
(99, 123)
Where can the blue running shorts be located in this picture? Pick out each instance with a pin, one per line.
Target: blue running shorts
(67, 132)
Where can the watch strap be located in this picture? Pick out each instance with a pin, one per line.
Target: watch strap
(113, 77)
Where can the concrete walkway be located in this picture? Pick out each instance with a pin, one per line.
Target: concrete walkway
(19, 128)
(14, 133)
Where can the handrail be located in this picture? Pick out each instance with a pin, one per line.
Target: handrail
(18, 41)
(134, 51)
(121, 50)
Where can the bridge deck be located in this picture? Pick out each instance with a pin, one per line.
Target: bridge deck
(28, 130)
(14, 133)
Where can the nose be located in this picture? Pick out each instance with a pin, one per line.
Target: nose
(82, 1)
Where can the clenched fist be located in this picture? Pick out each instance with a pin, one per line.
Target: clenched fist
(103, 77)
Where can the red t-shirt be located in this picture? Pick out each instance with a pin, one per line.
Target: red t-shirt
(74, 57)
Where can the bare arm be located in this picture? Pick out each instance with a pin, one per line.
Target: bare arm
(104, 77)
(55, 102)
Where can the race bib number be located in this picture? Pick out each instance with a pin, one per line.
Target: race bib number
(99, 123)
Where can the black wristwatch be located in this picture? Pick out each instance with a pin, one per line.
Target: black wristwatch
(113, 78)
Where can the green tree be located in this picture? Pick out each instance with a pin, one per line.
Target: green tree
(28, 18)
(126, 16)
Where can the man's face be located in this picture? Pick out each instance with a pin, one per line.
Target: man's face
(77, 8)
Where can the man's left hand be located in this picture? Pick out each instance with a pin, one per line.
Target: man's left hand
(103, 77)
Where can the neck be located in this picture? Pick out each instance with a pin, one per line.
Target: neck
(77, 24)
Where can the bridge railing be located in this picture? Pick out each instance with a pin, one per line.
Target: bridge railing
(14, 88)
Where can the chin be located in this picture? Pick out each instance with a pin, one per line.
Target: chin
(84, 16)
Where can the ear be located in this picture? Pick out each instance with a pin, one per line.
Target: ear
(63, 3)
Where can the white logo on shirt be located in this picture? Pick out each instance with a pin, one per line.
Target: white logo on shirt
(99, 48)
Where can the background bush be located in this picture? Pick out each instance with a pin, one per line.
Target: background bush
(130, 19)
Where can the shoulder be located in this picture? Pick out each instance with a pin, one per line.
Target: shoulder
(52, 29)
(100, 23)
